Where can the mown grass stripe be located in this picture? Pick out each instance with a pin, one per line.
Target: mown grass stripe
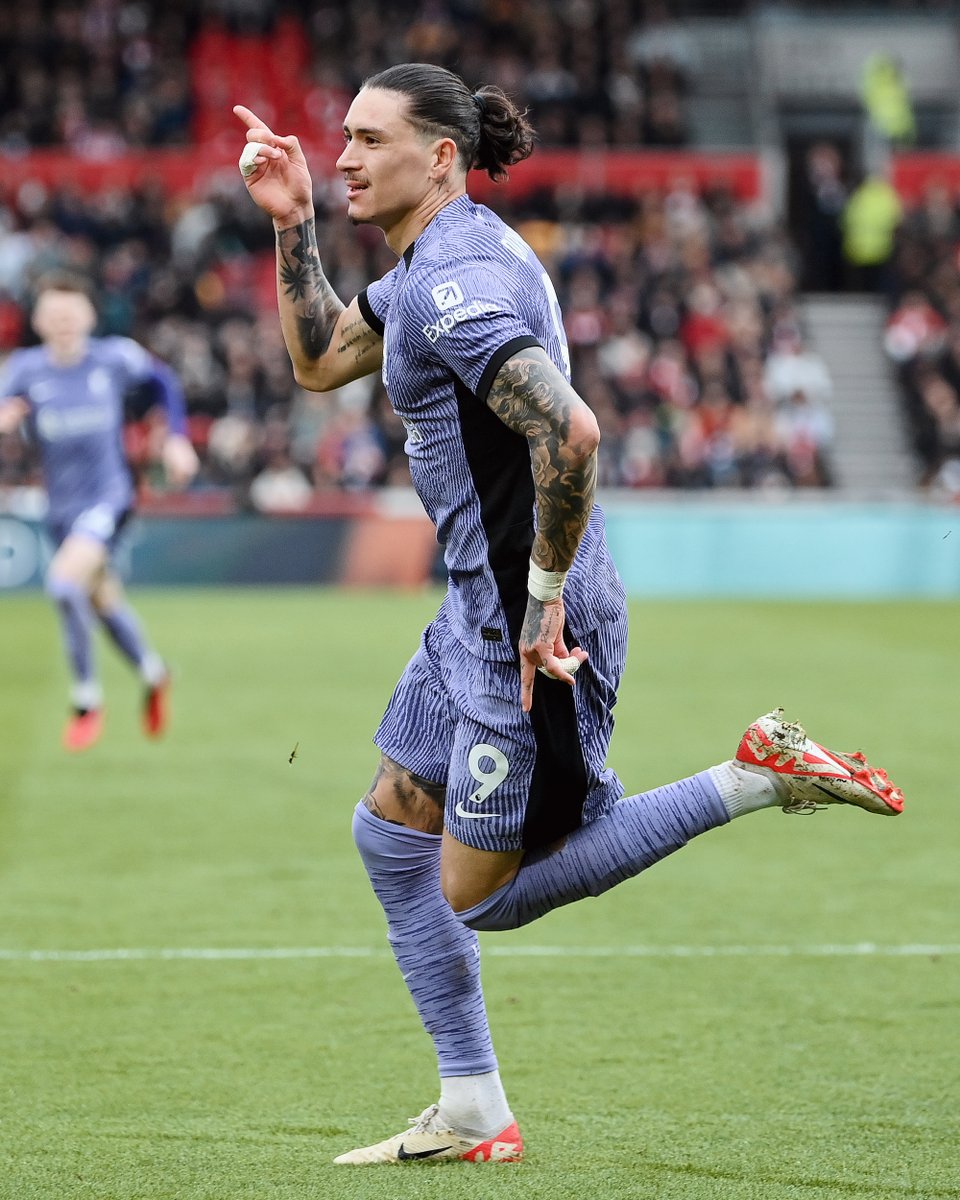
(242, 953)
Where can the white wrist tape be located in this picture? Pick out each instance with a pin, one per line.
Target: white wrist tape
(545, 585)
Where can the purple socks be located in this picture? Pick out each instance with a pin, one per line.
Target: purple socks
(124, 629)
(636, 833)
(76, 619)
(437, 950)
(438, 956)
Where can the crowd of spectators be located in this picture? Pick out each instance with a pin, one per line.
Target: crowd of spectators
(96, 78)
(101, 76)
(679, 310)
(679, 303)
(922, 336)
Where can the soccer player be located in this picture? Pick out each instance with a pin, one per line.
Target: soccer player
(492, 803)
(69, 394)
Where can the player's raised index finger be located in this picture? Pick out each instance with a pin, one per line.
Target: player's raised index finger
(251, 120)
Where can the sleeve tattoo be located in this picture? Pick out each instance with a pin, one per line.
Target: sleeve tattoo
(532, 398)
(315, 305)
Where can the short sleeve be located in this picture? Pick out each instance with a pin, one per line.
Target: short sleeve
(136, 363)
(375, 300)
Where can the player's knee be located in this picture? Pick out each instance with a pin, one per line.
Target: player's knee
(469, 876)
(106, 597)
(459, 898)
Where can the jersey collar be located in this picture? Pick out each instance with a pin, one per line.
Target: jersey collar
(454, 205)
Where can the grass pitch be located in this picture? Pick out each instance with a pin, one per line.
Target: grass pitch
(772, 1013)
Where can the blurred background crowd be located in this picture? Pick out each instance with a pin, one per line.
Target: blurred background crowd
(922, 337)
(107, 74)
(681, 303)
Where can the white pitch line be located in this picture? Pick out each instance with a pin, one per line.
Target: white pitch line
(250, 953)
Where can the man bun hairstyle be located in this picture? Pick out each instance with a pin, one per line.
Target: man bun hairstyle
(490, 132)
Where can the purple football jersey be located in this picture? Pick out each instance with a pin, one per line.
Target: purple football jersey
(465, 297)
(76, 417)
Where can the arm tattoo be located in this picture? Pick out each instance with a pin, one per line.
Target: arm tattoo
(355, 336)
(316, 306)
(532, 398)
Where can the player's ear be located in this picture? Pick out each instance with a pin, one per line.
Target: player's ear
(444, 158)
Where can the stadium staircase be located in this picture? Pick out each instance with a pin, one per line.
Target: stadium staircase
(872, 454)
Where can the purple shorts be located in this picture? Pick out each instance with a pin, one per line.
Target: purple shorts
(102, 522)
(514, 780)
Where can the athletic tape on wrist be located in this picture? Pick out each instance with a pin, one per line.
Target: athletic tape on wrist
(545, 585)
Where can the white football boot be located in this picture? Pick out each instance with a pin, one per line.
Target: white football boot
(430, 1140)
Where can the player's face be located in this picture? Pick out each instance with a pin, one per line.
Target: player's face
(63, 319)
(387, 165)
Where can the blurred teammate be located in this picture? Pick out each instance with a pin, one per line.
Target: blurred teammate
(69, 392)
(492, 803)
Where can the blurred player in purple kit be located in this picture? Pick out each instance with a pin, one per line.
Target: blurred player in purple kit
(492, 804)
(68, 393)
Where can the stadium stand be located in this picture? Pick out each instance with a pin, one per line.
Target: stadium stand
(680, 285)
(670, 301)
(922, 335)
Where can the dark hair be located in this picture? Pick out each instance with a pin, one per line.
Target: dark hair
(491, 133)
(63, 281)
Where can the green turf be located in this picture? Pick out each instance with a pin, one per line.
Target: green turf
(634, 1074)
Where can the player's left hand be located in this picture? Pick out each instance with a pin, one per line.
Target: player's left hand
(542, 647)
(180, 460)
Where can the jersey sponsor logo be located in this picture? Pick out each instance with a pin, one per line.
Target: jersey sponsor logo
(41, 392)
(54, 425)
(447, 295)
(449, 320)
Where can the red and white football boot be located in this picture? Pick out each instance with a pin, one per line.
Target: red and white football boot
(808, 776)
(83, 729)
